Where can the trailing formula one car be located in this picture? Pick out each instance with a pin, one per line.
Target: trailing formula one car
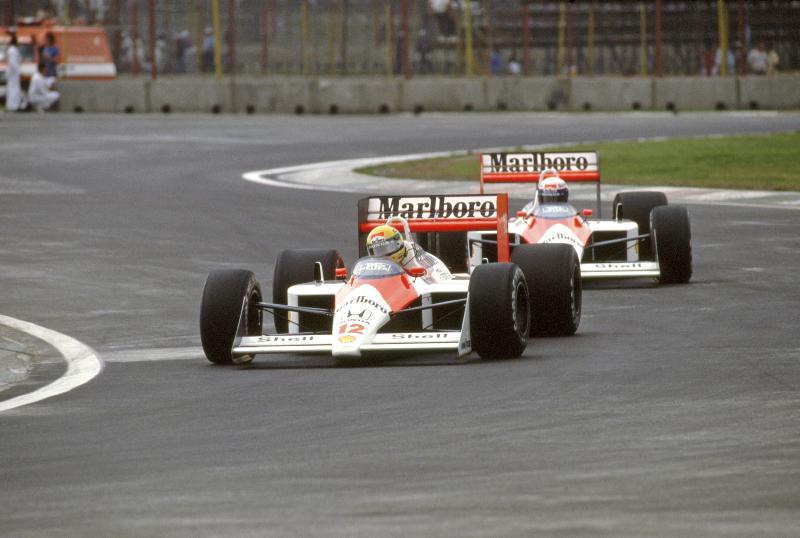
(646, 237)
(385, 304)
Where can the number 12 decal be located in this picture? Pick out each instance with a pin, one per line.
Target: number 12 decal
(351, 328)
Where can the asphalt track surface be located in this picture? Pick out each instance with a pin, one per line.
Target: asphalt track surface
(673, 411)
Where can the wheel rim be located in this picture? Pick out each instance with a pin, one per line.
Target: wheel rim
(521, 310)
(254, 315)
(574, 297)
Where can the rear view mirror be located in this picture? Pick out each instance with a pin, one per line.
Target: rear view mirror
(416, 271)
(587, 212)
(341, 273)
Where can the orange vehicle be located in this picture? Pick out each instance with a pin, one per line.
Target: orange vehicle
(85, 53)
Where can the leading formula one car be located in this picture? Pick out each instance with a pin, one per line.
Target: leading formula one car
(646, 237)
(379, 305)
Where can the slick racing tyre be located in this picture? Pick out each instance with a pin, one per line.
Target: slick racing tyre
(230, 296)
(450, 247)
(672, 236)
(636, 206)
(553, 274)
(498, 311)
(296, 267)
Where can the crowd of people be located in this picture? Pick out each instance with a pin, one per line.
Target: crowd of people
(177, 57)
(40, 95)
(759, 61)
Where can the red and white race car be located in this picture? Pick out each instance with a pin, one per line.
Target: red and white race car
(646, 237)
(318, 306)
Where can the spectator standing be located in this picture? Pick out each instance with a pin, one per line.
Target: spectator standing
(423, 50)
(758, 59)
(708, 60)
(161, 53)
(514, 67)
(207, 52)
(13, 85)
(182, 44)
(442, 11)
(772, 61)
(718, 62)
(51, 55)
(496, 63)
(40, 92)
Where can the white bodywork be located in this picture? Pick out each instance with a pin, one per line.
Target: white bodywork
(358, 319)
(631, 267)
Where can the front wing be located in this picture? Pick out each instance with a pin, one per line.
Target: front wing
(312, 343)
(620, 270)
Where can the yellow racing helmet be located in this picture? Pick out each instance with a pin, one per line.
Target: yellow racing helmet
(386, 241)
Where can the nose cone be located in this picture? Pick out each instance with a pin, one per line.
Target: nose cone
(558, 233)
(357, 319)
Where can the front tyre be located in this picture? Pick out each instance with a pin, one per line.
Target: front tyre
(636, 206)
(498, 311)
(297, 267)
(230, 299)
(672, 236)
(553, 274)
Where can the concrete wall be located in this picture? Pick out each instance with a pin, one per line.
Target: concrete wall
(369, 95)
(696, 92)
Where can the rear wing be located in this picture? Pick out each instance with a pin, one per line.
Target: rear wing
(438, 213)
(577, 166)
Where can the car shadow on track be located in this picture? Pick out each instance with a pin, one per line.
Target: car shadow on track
(385, 360)
(630, 284)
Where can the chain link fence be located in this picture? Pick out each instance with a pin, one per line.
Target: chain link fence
(436, 37)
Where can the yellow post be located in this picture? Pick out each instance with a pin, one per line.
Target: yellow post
(590, 39)
(389, 45)
(643, 40)
(332, 40)
(195, 19)
(459, 52)
(64, 47)
(722, 16)
(469, 60)
(217, 39)
(305, 36)
(562, 24)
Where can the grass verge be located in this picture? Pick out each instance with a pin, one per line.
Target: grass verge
(758, 162)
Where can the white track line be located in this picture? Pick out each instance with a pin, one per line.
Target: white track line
(282, 178)
(83, 364)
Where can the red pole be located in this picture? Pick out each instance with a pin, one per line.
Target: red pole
(232, 36)
(526, 41)
(134, 38)
(569, 39)
(151, 9)
(740, 61)
(264, 36)
(406, 69)
(659, 64)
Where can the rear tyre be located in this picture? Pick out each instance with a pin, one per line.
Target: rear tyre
(450, 247)
(295, 267)
(672, 236)
(553, 274)
(636, 206)
(229, 296)
(498, 311)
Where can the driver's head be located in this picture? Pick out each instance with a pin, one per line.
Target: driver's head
(386, 241)
(552, 189)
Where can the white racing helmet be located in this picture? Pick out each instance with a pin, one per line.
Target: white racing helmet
(552, 189)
